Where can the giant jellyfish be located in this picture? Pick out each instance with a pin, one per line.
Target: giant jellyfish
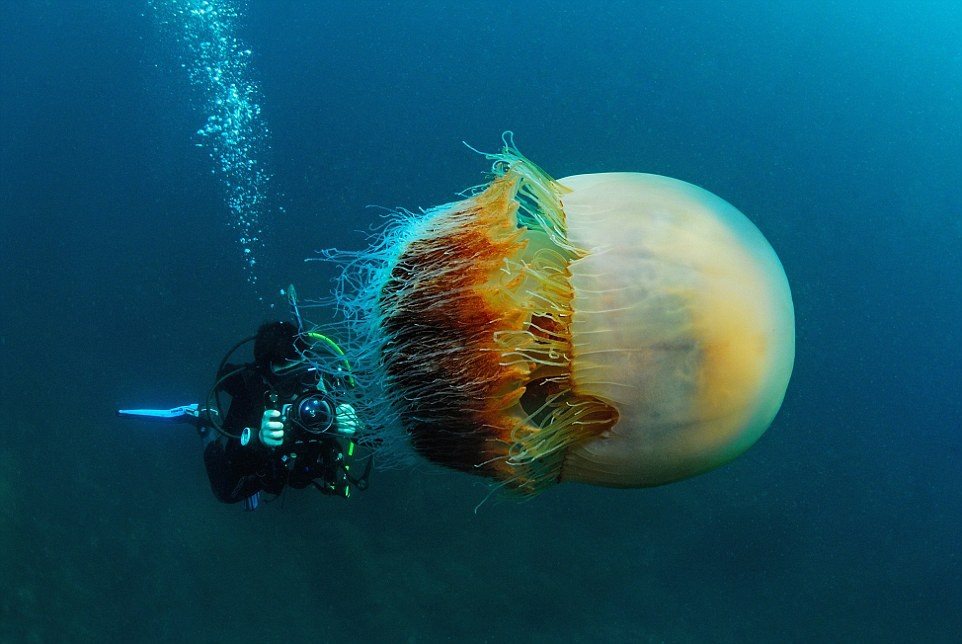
(615, 329)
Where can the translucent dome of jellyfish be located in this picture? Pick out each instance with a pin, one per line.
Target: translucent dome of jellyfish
(615, 329)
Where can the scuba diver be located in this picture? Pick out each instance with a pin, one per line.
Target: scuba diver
(287, 424)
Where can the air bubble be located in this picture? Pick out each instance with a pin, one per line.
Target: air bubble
(218, 67)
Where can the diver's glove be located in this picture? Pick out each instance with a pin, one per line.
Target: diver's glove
(272, 430)
(347, 421)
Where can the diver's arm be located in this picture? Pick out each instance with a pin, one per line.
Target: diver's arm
(236, 378)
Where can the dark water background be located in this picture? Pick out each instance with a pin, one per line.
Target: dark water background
(837, 127)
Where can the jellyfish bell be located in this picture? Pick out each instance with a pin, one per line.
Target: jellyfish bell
(683, 321)
(617, 329)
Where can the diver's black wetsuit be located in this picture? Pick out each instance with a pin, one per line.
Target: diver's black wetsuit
(237, 471)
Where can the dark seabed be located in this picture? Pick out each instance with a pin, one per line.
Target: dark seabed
(835, 126)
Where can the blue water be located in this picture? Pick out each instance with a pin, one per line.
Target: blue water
(835, 127)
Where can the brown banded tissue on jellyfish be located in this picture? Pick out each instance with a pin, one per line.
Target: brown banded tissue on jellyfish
(616, 329)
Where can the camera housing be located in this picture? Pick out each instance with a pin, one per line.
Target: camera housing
(310, 415)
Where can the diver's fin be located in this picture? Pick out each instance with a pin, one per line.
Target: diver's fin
(182, 414)
(295, 310)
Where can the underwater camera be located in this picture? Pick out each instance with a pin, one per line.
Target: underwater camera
(309, 415)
